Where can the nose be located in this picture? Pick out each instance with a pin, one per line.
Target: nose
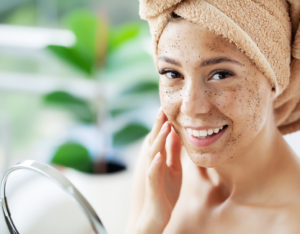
(195, 101)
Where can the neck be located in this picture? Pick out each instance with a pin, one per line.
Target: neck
(268, 158)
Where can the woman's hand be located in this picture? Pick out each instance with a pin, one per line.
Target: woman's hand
(164, 177)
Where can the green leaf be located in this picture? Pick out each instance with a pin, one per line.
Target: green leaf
(84, 26)
(117, 111)
(91, 42)
(77, 106)
(73, 155)
(125, 32)
(129, 134)
(142, 87)
(73, 57)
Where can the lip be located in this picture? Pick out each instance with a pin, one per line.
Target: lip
(204, 142)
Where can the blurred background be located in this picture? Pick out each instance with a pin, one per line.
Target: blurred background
(79, 90)
(74, 75)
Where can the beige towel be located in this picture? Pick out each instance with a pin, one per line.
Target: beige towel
(267, 31)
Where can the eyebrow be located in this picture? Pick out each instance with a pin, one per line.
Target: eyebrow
(169, 60)
(217, 60)
(206, 62)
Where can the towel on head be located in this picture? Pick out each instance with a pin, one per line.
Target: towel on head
(267, 31)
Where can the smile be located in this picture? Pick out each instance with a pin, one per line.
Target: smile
(205, 137)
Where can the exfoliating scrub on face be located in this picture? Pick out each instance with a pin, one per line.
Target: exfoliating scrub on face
(212, 94)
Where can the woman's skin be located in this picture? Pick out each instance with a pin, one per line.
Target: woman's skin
(247, 181)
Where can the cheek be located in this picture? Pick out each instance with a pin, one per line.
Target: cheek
(246, 105)
(171, 98)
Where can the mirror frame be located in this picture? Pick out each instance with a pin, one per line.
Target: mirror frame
(60, 180)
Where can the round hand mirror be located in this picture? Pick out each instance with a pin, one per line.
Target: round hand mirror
(39, 199)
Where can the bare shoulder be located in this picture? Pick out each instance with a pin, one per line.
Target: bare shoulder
(288, 220)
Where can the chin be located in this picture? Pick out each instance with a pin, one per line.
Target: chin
(207, 160)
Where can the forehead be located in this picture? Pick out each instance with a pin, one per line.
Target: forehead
(182, 38)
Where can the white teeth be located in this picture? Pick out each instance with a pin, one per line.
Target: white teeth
(203, 133)
(196, 133)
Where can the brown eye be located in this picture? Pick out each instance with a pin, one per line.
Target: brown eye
(171, 74)
(221, 75)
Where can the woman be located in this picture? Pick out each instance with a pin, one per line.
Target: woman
(215, 160)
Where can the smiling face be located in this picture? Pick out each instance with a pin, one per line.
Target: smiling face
(207, 83)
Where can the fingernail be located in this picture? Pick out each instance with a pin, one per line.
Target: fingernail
(159, 113)
(164, 127)
(157, 157)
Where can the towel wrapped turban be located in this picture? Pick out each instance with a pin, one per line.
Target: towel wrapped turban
(267, 31)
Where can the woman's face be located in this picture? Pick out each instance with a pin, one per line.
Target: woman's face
(206, 83)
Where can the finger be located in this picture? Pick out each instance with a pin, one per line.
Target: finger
(160, 119)
(155, 171)
(173, 148)
(160, 141)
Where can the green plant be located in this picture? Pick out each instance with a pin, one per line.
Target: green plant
(103, 53)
